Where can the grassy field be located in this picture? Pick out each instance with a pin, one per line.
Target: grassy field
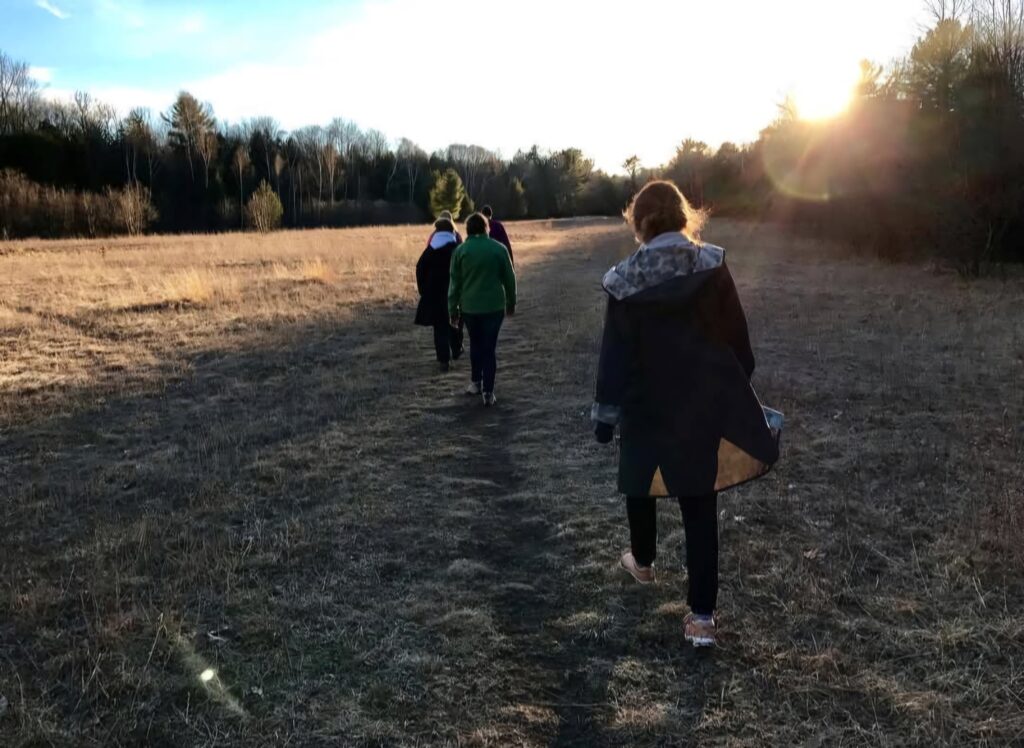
(241, 507)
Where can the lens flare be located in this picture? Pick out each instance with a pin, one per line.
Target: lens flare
(797, 166)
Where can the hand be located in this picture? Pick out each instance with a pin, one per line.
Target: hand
(604, 433)
(511, 311)
(456, 320)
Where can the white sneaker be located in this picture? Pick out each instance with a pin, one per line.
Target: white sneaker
(475, 388)
(700, 631)
(489, 399)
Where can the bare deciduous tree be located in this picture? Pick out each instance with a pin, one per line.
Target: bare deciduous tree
(19, 95)
(471, 161)
(240, 159)
(412, 158)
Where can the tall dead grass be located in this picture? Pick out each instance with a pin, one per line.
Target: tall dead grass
(108, 315)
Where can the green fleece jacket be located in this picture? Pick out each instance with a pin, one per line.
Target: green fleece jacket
(482, 278)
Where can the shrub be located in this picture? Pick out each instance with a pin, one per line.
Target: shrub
(264, 209)
(448, 193)
(134, 207)
(30, 209)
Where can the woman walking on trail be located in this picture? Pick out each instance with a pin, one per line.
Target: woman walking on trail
(432, 277)
(481, 293)
(674, 375)
(496, 230)
(446, 215)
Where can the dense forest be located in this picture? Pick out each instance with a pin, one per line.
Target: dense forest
(929, 156)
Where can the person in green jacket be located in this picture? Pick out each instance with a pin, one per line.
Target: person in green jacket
(481, 292)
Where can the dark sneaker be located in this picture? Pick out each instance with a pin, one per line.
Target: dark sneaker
(444, 367)
(489, 399)
(700, 631)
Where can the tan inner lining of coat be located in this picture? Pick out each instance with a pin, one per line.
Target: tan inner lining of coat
(735, 466)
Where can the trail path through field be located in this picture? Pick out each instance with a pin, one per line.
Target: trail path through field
(316, 539)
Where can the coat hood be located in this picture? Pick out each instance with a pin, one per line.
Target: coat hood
(669, 266)
(442, 239)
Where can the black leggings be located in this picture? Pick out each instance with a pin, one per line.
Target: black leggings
(700, 520)
(447, 341)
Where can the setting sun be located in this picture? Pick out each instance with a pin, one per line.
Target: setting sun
(825, 93)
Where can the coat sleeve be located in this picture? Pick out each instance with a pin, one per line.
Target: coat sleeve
(613, 366)
(502, 237)
(734, 322)
(455, 284)
(508, 280)
(421, 272)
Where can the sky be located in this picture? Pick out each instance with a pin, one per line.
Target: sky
(613, 78)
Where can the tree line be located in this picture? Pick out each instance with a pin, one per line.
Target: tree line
(930, 156)
(76, 167)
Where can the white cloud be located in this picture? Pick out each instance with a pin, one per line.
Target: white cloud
(122, 98)
(52, 9)
(41, 75)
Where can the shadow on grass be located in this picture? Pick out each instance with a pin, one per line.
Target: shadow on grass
(280, 511)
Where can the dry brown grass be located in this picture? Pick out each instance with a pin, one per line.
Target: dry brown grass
(241, 508)
(111, 316)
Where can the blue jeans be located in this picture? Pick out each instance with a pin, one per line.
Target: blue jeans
(483, 346)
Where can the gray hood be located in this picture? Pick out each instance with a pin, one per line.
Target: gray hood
(665, 258)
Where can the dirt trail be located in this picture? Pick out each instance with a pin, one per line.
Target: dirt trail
(527, 515)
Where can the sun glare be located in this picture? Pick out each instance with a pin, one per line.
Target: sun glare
(825, 92)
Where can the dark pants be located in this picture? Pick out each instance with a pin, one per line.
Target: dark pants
(447, 342)
(700, 520)
(483, 346)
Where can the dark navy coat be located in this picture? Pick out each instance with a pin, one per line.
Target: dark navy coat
(432, 276)
(674, 374)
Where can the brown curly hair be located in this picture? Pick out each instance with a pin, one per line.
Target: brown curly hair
(660, 208)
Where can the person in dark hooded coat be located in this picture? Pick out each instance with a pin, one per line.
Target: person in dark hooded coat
(674, 376)
(432, 278)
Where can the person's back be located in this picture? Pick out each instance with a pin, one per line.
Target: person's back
(432, 281)
(482, 291)
(690, 357)
(674, 376)
(486, 281)
(496, 229)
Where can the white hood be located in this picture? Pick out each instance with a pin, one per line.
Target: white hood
(442, 239)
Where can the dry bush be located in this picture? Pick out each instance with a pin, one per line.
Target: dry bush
(317, 270)
(264, 209)
(30, 209)
(135, 208)
(313, 270)
(196, 286)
